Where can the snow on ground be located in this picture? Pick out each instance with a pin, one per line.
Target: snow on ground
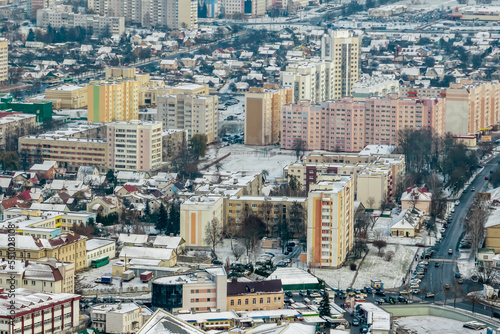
(374, 267)
(87, 278)
(430, 324)
(250, 158)
(382, 228)
(224, 252)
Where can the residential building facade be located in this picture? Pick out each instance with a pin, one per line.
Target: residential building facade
(39, 312)
(4, 60)
(99, 248)
(263, 114)
(255, 296)
(119, 318)
(330, 221)
(68, 96)
(349, 126)
(196, 213)
(198, 114)
(110, 101)
(12, 125)
(134, 146)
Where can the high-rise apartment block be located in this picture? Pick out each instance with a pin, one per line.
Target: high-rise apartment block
(173, 14)
(470, 106)
(4, 60)
(263, 114)
(35, 5)
(184, 108)
(343, 49)
(134, 146)
(330, 221)
(110, 101)
(348, 125)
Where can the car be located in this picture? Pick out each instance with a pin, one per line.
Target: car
(217, 262)
(416, 291)
(446, 286)
(405, 292)
(452, 210)
(486, 178)
(436, 264)
(429, 295)
(289, 294)
(379, 301)
(380, 293)
(450, 251)
(472, 189)
(402, 299)
(270, 254)
(418, 244)
(474, 325)
(457, 202)
(315, 294)
(445, 225)
(460, 281)
(457, 275)
(302, 293)
(355, 322)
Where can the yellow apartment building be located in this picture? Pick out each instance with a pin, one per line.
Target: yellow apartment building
(272, 210)
(68, 247)
(4, 59)
(110, 101)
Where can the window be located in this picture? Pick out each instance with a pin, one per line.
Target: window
(239, 301)
(254, 301)
(246, 301)
(261, 301)
(232, 302)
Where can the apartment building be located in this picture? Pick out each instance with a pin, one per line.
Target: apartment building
(100, 24)
(255, 295)
(236, 183)
(4, 60)
(68, 96)
(272, 209)
(13, 125)
(46, 275)
(134, 146)
(39, 312)
(374, 87)
(232, 7)
(342, 48)
(69, 247)
(110, 101)
(181, 108)
(312, 80)
(200, 290)
(119, 318)
(348, 125)
(374, 176)
(263, 114)
(173, 14)
(34, 5)
(70, 153)
(196, 213)
(330, 221)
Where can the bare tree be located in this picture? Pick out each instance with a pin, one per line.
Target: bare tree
(486, 272)
(380, 244)
(370, 202)
(457, 292)
(478, 213)
(238, 251)
(252, 231)
(230, 229)
(299, 146)
(213, 233)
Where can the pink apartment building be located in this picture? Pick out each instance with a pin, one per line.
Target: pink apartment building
(349, 125)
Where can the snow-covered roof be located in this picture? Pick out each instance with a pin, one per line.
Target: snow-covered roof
(98, 243)
(136, 239)
(416, 193)
(165, 241)
(162, 322)
(146, 253)
(291, 276)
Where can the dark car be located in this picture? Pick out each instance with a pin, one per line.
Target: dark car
(217, 262)
(380, 293)
(402, 299)
(355, 322)
(289, 294)
(486, 178)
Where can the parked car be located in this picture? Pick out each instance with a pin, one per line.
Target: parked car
(302, 293)
(460, 281)
(289, 294)
(402, 299)
(450, 251)
(355, 322)
(457, 202)
(429, 295)
(474, 325)
(447, 286)
(472, 189)
(416, 291)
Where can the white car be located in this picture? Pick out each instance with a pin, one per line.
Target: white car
(457, 202)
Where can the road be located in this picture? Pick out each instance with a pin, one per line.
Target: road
(437, 277)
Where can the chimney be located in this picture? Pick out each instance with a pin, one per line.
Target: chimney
(408, 190)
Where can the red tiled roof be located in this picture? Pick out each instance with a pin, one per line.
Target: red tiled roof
(130, 188)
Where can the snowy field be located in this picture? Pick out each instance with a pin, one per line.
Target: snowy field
(87, 279)
(253, 158)
(374, 267)
(430, 324)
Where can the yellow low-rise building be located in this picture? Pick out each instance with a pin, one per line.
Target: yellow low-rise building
(68, 247)
(255, 296)
(70, 96)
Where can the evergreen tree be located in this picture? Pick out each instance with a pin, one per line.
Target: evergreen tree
(324, 305)
(147, 212)
(161, 223)
(31, 36)
(174, 219)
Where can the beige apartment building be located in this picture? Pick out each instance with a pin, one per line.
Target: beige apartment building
(263, 114)
(4, 60)
(110, 101)
(70, 153)
(14, 124)
(134, 146)
(68, 96)
(184, 108)
(196, 213)
(119, 318)
(330, 221)
(272, 210)
(342, 48)
(173, 142)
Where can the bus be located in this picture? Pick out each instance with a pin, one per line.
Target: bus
(99, 262)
